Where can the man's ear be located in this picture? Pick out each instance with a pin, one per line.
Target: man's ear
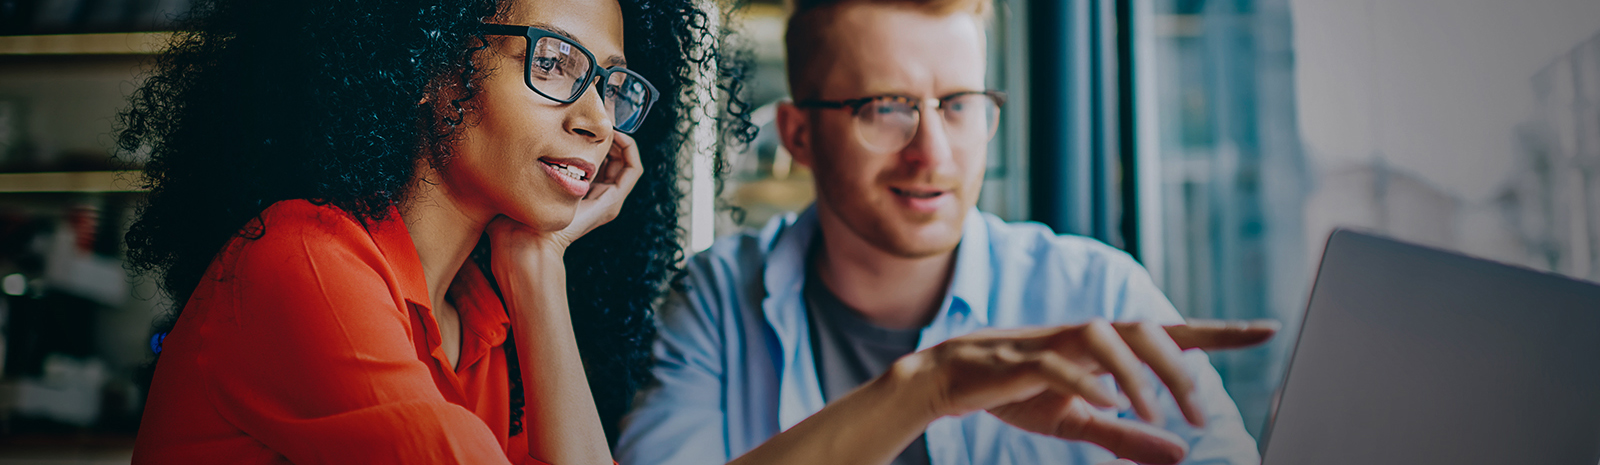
(794, 130)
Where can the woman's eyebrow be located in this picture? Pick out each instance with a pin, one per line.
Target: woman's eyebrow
(614, 60)
(558, 31)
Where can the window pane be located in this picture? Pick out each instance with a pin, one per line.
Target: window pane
(1472, 126)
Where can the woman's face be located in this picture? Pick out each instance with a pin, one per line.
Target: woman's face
(521, 157)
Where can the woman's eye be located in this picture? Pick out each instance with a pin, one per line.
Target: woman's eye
(547, 65)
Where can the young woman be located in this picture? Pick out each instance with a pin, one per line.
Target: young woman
(409, 231)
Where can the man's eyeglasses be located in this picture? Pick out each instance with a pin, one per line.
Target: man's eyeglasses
(561, 70)
(887, 123)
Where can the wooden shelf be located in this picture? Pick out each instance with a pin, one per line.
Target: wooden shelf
(70, 181)
(123, 43)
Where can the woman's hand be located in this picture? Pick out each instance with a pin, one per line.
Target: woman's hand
(613, 182)
(611, 186)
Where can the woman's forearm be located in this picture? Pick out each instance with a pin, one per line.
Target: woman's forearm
(868, 426)
(560, 419)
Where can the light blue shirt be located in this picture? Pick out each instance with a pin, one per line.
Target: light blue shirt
(734, 356)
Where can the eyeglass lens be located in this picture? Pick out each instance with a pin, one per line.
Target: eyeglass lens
(558, 68)
(626, 97)
(888, 124)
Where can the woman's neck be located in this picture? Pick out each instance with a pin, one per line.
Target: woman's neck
(443, 232)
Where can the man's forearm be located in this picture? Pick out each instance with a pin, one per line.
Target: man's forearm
(870, 425)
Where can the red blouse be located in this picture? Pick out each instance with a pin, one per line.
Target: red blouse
(315, 343)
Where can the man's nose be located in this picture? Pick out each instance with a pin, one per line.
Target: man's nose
(930, 145)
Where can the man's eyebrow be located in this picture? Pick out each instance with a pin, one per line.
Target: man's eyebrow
(614, 60)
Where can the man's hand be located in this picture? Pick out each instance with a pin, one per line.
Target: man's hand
(1046, 380)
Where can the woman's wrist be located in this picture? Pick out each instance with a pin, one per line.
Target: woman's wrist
(535, 259)
(532, 280)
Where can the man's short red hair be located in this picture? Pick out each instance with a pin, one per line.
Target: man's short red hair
(809, 23)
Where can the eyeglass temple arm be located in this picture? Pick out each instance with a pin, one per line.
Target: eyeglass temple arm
(814, 103)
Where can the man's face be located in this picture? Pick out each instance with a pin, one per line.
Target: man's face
(909, 202)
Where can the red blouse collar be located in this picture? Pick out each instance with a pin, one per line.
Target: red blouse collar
(482, 312)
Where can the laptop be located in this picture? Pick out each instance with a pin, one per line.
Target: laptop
(1412, 355)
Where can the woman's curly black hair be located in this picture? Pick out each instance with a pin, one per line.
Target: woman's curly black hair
(335, 100)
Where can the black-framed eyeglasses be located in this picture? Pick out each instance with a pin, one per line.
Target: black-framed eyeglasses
(887, 123)
(561, 70)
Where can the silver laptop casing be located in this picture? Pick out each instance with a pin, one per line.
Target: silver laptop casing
(1411, 355)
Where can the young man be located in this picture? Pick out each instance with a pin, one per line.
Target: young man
(884, 288)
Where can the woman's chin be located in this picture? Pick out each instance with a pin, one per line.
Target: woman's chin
(549, 218)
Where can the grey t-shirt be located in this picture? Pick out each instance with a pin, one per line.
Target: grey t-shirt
(849, 351)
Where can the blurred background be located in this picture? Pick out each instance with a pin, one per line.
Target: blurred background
(74, 324)
(1217, 141)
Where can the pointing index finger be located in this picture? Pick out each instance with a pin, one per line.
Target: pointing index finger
(1222, 334)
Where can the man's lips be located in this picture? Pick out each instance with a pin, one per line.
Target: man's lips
(918, 192)
(575, 168)
(923, 200)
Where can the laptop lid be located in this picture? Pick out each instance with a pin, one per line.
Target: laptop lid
(1411, 355)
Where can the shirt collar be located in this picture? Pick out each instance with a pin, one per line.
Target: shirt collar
(967, 295)
(971, 282)
(480, 309)
(783, 274)
(394, 241)
(482, 312)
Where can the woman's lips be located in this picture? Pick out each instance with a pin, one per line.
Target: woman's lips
(572, 174)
